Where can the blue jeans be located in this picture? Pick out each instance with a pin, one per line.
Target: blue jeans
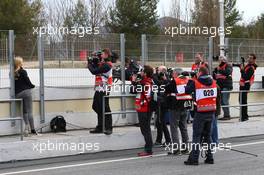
(225, 101)
(214, 131)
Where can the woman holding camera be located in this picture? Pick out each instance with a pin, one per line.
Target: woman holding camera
(23, 88)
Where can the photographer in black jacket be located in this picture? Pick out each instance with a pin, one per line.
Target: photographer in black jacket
(223, 76)
(161, 79)
(177, 100)
(101, 67)
(246, 80)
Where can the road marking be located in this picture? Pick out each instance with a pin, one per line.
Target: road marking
(82, 164)
(107, 161)
(247, 144)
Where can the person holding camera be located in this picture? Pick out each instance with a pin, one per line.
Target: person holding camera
(23, 87)
(161, 80)
(246, 80)
(204, 89)
(177, 100)
(101, 67)
(142, 87)
(223, 76)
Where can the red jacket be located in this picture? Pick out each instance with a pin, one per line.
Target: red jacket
(143, 95)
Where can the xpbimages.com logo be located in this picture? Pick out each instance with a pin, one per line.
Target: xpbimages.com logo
(78, 31)
(197, 146)
(191, 30)
(81, 147)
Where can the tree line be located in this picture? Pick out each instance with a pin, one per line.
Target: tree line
(133, 17)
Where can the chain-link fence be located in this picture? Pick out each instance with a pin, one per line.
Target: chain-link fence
(65, 59)
(4, 66)
(241, 47)
(174, 51)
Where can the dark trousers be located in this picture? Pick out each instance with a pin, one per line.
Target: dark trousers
(178, 120)
(97, 107)
(201, 134)
(244, 96)
(225, 102)
(144, 119)
(162, 126)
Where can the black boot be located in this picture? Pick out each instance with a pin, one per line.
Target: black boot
(108, 132)
(225, 118)
(209, 161)
(96, 131)
(191, 162)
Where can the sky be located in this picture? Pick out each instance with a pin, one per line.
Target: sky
(249, 8)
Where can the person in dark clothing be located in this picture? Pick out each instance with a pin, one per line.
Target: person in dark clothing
(160, 79)
(223, 76)
(204, 89)
(178, 112)
(23, 88)
(103, 82)
(246, 80)
(142, 103)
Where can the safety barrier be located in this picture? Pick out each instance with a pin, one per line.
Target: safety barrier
(240, 99)
(15, 118)
(123, 110)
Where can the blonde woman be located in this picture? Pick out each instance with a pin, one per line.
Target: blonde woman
(23, 88)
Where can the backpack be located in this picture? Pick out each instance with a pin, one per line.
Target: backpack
(58, 124)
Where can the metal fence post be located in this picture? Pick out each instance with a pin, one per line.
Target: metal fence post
(12, 74)
(103, 113)
(143, 49)
(41, 79)
(21, 121)
(165, 55)
(240, 109)
(227, 48)
(123, 79)
(210, 54)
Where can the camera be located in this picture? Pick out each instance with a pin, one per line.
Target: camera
(114, 57)
(170, 73)
(132, 69)
(95, 58)
(242, 63)
(189, 74)
(161, 75)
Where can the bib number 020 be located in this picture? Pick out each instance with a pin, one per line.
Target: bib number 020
(208, 93)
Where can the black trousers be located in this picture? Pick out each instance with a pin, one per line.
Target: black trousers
(244, 96)
(144, 119)
(201, 134)
(97, 107)
(162, 126)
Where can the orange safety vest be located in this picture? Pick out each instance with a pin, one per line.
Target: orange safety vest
(221, 76)
(197, 66)
(104, 80)
(251, 80)
(205, 97)
(180, 85)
